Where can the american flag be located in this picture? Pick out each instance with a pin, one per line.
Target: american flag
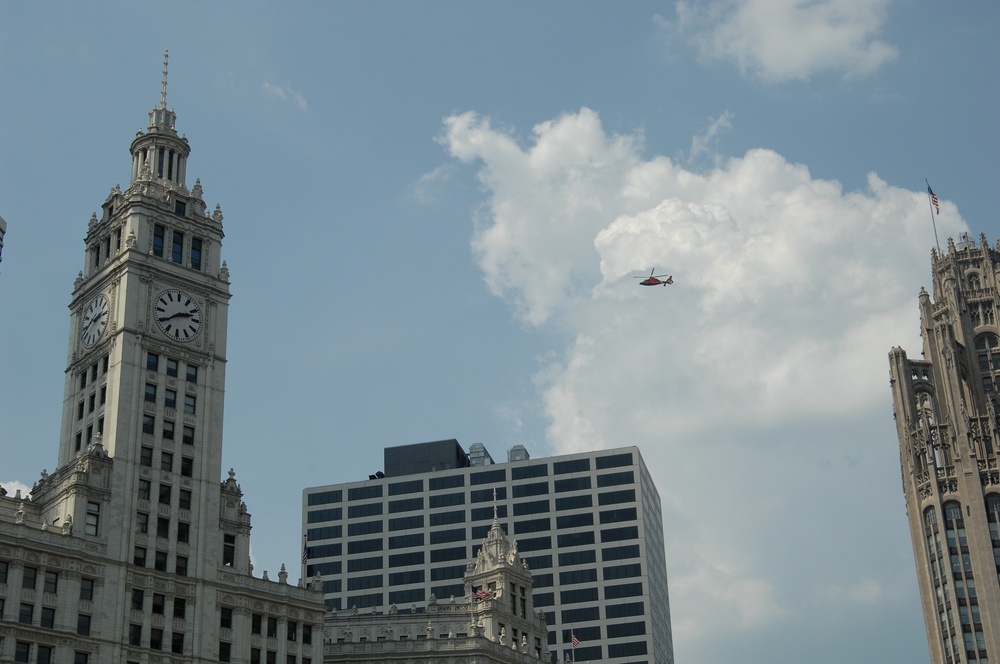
(482, 594)
(934, 199)
(305, 552)
(576, 642)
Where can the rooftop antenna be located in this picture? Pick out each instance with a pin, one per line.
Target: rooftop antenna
(163, 90)
(494, 503)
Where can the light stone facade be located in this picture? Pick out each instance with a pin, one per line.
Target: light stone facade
(946, 410)
(501, 626)
(133, 550)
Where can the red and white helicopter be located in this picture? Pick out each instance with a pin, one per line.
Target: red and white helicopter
(656, 280)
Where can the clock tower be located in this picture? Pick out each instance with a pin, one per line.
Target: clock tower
(144, 555)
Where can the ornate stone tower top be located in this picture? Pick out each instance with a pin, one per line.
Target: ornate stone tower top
(159, 153)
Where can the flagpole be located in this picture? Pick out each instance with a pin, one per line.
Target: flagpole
(930, 204)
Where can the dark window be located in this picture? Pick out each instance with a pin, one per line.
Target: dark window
(406, 559)
(166, 461)
(169, 396)
(480, 532)
(619, 534)
(22, 652)
(366, 600)
(544, 599)
(177, 247)
(160, 561)
(183, 532)
(542, 581)
(534, 489)
(192, 374)
(145, 486)
(81, 658)
(406, 505)
(445, 536)
(26, 614)
(86, 589)
(364, 528)
(326, 532)
(152, 361)
(148, 424)
(614, 497)
(620, 552)
(406, 596)
(159, 603)
(307, 634)
(150, 393)
(401, 488)
(180, 608)
(139, 557)
(623, 590)
(51, 583)
(29, 578)
(329, 514)
(445, 518)
(44, 655)
(177, 642)
(571, 466)
(158, 234)
(404, 578)
(256, 622)
(614, 479)
(532, 526)
(228, 549)
(226, 618)
(188, 438)
(538, 562)
(531, 507)
(365, 492)
(577, 557)
(134, 634)
(165, 491)
(48, 617)
(578, 576)
(572, 484)
(156, 639)
(187, 466)
(614, 460)
(406, 541)
(371, 509)
(195, 252)
(445, 573)
(453, 553)
(162, 527)
(292, 631)
(168, 430)
(581, 615)
(524, 472)
(364, 564)
(576, 539)
(363, 546)
(627, 649)
(172, 368)
(138, 596)
(578, 595)
(617, 516)
(447, 482)
(184, 501)
(406, 522)
(189, 404)
(327, 550)
(456, 590)
(488, 477)
(622, 571)
(272, 627)
(574, 521)
(446, 500)
(225, 652)
(534, 544)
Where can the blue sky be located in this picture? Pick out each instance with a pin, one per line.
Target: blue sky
(433, 215)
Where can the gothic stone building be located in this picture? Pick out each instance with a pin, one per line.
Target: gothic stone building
(132, 550)
(946, 410)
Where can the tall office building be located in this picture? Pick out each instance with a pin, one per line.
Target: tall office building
(132, 550)
(588, 525)
(946, 410)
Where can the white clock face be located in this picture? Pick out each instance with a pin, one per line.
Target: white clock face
(178, 315)
(95, 319)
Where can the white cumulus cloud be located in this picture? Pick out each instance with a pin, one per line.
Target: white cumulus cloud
(781, 40)
(755, 386)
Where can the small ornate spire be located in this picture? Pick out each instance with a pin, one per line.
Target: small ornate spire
(163, 90)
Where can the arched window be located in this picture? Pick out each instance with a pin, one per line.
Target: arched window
(973, 280)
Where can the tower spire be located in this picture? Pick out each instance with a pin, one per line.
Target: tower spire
(163, 90)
